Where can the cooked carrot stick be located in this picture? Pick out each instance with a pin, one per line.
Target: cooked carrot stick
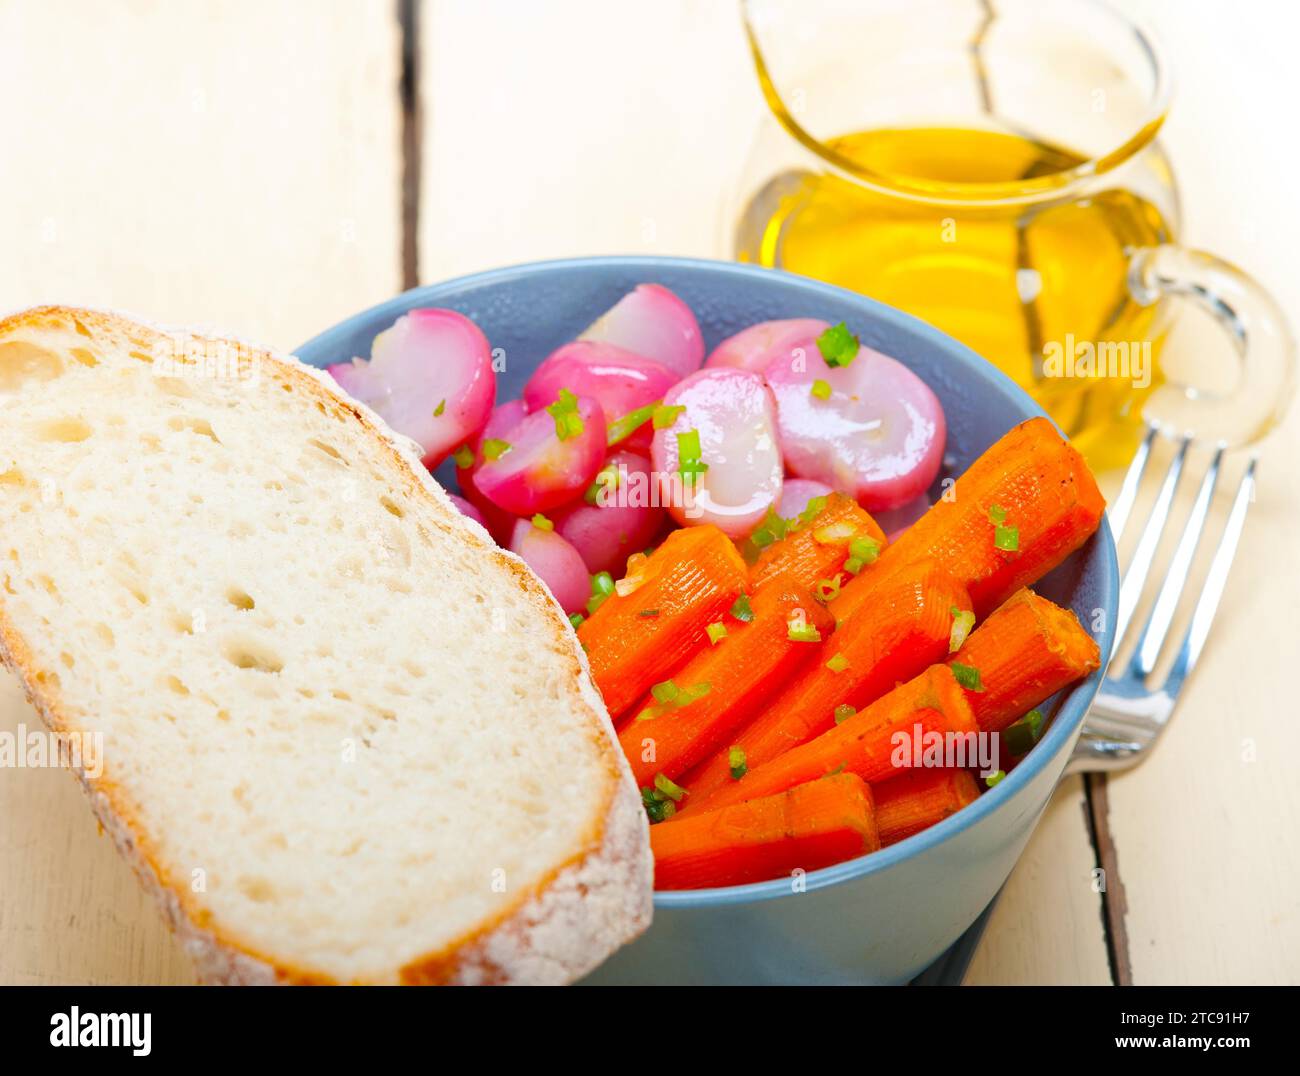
(808, 827)
(915, 801)
(690, 581)
(1025, 652)
(1018, 511)
(903, 632)
(863, 743)
(731, 678)
(817, 549)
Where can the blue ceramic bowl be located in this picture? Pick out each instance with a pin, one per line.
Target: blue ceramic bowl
(884, 917)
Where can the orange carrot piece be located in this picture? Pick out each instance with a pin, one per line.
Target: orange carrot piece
(1025, 652)
(818, 549)
(691, 580)
(812, 826)
(902, 633)
(1031, 478)
(741, 670)
(861, 744)
(915, 801)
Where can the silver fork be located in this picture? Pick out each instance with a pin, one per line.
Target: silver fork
(1127, 716)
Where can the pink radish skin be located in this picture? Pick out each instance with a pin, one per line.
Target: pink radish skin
(654, 323)
(622, 522)
(555, 562)
(540, 471)
(796, 493)
(757, 347)
(428, 361)
(467, 509)
(879, 437)
(733, 412)
(505, 417)
(621, 381)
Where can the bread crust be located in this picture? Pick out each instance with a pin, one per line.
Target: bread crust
(555, 930)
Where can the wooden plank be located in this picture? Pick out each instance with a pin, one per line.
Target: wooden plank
(195, 161)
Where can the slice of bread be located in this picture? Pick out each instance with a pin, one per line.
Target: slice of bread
(345, 737)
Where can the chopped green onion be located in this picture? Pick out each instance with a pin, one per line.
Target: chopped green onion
(442, 406)
(673, 791)
(717, 632)
(864, 549)
(658, 806)
(853, 565)
(835, 532)
(994, 778)
(800, 632)
(1021, 736)
(827, 590)
(595, 602)
(962, 622)
(811, 511)
(576, 620)
(997, 514)
(648, 714)
(664, 415)
(691, 694)
(843, 712)
(602, 583)
(1007, 538)
(838, 346)
(688, 456)
(838, 663)
(568, 423)
(464, 457)
(665, 691)
(742, 610)
(542, 523)
(771, 529)
(736, 760)
(607, 480)
(821, 389)
(967, 675)
(622, 428)
(494, 448)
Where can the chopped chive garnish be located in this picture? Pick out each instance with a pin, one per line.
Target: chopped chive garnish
(576, 620)
(962, 622)
(838, 663)
(648, 714)
(821, 389)
(993, 779)
(736, 760)
(464, 457)
(607, 481)
(832, 533)
(843, 712)
(1007, 538)
(657, 805)
(691, 694)
(542, 523)
(967, 675)
(669, 788)
(837, 771)
(648, 614)
(602, 583)
(742, 610)
(997, 514)
(864, 549)
(827, 590)
(717, 632)
(494, 448)
(811, 511)
(1021, 736)
(664, 415)
(771, 529)
(689, 464)
(568, 423)
(838, 346)
(853, 565)
(622, 428)
(595, 602)
(442, 406)
(798, 631)
(665, 691)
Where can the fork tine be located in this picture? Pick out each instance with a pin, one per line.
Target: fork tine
(1130, 591)
(1208, 603)
(1119, 511)
(1162, 613)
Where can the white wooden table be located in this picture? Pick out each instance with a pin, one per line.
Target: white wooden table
(242, 164)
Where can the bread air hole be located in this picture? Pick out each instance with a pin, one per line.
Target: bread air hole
(23, 364)
(327, 449)
(200, 426)
(68, 430)
(84, 356)
(240, 599)
(393, 507)
(247, 653)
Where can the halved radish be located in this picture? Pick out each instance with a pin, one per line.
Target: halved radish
(796, 493)
(538, 469)
(869, 427)
(505, 417)
(429, 377)
(758, 346)
(555, 561)
(620, 517)
(619, 380)
(726, 436)
(654, 323)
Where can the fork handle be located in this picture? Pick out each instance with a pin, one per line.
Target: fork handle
(1256, 327)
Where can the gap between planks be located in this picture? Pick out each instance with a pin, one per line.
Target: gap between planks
(1114, 905)
(408, 18)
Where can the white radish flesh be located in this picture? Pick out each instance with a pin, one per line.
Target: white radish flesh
(654, 323)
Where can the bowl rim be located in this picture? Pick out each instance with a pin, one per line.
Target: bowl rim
(1073, 707)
